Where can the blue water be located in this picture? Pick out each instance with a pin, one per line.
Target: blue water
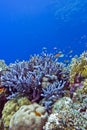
(28, 25)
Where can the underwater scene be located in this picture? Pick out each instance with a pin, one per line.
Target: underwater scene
(43, 65)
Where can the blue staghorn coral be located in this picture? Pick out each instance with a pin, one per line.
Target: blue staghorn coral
(52, 93)
(18, 79)
(26, 77)
(49, 65)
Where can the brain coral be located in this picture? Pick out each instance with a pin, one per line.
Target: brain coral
(31, 117)
(11, 107)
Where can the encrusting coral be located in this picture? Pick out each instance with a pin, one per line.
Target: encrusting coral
(67, 120)
(67, 115)
(30, 117)
(64, 103)
(11, 107)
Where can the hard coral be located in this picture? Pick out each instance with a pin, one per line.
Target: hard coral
(2, 103)
(52, 93)
(11, 107)
(18, 79)
(30, 117)
(67, 120)
(85, 87)
(49, 66)
(3, 65)
(26, 78)
(78, 66)
(64, 103)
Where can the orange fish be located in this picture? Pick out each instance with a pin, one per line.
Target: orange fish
(37, 113)
(58, 55)
(2, 90)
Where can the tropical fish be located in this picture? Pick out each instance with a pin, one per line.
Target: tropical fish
(44, 48)
(70, 51)
(58, 55)
(2, 90)
(66, 61)
(37, 113)
(55, 48)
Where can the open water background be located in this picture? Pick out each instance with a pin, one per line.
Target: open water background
(26, 26)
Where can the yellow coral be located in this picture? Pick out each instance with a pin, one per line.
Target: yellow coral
(78, 66)
(85, 86)
(29, 117)
(11, 107)
(84, 72)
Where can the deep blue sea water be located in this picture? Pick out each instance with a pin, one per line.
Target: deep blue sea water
(26, 26)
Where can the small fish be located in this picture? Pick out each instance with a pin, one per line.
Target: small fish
(62, 55)
(66, 61)
(55, 48)
(58, 55)
(37, 113)
(70, 51)
(2, 90)
(44, 48)
(70, 56)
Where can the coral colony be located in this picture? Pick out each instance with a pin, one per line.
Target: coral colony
(44, 94)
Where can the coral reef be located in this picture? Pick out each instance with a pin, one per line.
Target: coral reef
(78, 66)
(2, 103)
(1, 125)
(85, 87)
(48, 65)
(64, 103)
(19, 80)
(44, 94)
(52, 93)
(3, 65)
(11, 107)
(27, 78)
(68, 115)
(30, 117)
(67, 120)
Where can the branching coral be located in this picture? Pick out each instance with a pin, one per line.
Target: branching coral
(52, 93)
(19, 80)
(48, 65)
(27, 77)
